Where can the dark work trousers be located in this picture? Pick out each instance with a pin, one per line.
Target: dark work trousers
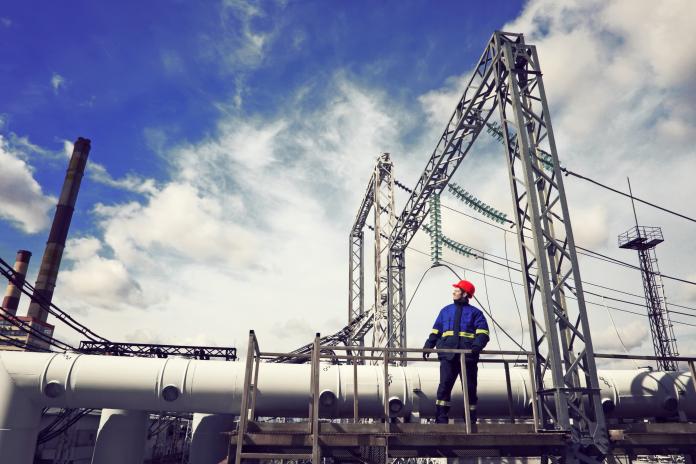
(449, 373)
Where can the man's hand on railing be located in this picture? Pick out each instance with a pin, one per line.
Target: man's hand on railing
(426, 354)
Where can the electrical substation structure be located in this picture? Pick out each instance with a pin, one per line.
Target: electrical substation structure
(508, 80)
(366, 401)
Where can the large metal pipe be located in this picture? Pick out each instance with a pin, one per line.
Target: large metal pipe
(215, 387)
(50, 263)
(14, 288)
(120, 437)
(19, 422)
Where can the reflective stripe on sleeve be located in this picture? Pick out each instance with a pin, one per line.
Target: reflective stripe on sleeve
(481, 331)
(435, 331)
(442, 403)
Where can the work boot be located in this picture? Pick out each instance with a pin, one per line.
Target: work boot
(473, 414)
(441, 414)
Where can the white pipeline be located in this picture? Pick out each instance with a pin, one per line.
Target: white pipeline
(30, 381)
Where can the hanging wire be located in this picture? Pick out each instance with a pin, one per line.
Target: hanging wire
(488, 301)
(512, 288)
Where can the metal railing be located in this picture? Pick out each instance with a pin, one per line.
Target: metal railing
(690, 361)
(355, 356)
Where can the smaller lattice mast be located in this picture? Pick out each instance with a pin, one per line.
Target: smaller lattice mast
(644, 240)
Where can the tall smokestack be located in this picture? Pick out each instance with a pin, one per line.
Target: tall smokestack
(14, 289)
(48, 272)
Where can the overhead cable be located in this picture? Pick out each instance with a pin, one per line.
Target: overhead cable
(589, 253)
(519, 284)
(26, 288)
(666, 210)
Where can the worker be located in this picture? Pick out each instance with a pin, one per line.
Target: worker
(458, 326)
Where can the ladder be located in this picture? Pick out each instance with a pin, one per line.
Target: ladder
(247, 410)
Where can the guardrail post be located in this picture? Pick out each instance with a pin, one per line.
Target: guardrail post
(355, 389)
(508, 383)
(244, 409)
(255, 387)
(533, 387)
(316, 353)
(465, 391)
(385, 357)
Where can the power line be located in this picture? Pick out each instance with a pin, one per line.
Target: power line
(567, 296)
(18, 344)
(25, 327)
(592, 253)
(512, 288)
(26, 288)
(580, 176)
(632, 266)
(482, 256)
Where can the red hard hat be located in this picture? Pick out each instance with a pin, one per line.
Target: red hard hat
(466, 286)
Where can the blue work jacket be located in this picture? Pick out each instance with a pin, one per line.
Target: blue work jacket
(473, 330)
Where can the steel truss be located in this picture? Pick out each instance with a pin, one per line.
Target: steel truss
(385, 221)
(356, 255)
(157, 350)
(388, 326)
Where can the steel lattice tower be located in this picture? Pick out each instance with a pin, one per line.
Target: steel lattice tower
(644, 240)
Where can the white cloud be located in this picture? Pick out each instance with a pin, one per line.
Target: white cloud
(98, 281)
(633, 334)
(22, 200)
(179, 220)
(590, 225)
(130, 182)
(249, 227)
(57, 82)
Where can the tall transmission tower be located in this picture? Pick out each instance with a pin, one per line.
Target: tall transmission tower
(644, 240)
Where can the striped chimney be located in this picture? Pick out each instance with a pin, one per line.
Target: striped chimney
(48, 272)
(14, 288)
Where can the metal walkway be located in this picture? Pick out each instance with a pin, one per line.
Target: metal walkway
(388, 437)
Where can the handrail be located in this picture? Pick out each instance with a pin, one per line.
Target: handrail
(645, 357)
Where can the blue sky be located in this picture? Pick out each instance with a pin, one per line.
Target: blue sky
(117, 73)
(232, 142)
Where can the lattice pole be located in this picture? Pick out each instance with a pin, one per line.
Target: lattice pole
(356, 278)
(568, 397)
(356, 263)
(385, 221)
